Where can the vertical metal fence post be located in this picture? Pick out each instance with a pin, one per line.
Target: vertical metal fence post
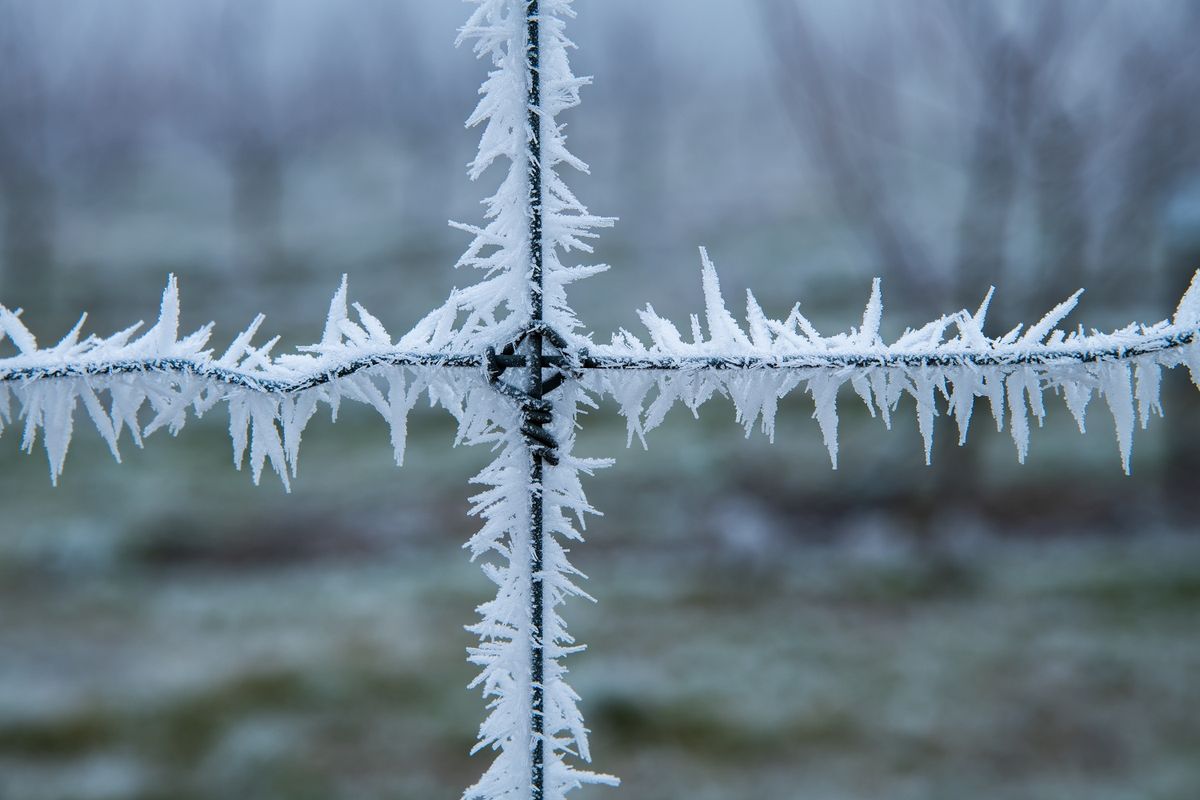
(534, 389)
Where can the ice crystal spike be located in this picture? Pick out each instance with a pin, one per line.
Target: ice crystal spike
(496, 308)
(950, 357)
(138, 384)
(160, 379)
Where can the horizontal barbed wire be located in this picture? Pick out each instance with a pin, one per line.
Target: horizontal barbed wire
(233, 377)
(1046, 355)
(584, 360)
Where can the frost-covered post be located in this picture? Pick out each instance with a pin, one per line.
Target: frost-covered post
(506, 357)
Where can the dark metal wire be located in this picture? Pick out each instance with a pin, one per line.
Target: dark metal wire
(234, 377)
(529, 354)
(533, 429)
(583, 361)
(569, 364)
(536, 412)
(947, 358)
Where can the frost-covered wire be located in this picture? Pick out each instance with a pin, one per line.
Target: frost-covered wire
(459, 357)
(533, 221)
(505, 626)
(757, 364)
(270, 398)
(498, 307)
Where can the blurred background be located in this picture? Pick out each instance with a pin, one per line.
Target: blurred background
(766, 627)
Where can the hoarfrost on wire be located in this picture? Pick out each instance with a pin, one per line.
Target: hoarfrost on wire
(498, 308)
(757, 364)
(136, 383)
(271, 398)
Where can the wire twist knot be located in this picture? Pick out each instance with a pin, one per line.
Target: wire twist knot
(536, 412)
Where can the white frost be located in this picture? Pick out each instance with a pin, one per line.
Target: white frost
(951, 357)
(160, 379)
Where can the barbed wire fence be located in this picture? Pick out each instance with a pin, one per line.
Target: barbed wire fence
(508, 359)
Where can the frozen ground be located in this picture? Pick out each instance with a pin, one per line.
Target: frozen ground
(312, 646)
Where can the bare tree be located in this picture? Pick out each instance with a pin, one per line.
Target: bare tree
(225, 100)
(1024, 142)
(828, 106)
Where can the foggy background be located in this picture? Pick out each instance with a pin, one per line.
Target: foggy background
(766, 627)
